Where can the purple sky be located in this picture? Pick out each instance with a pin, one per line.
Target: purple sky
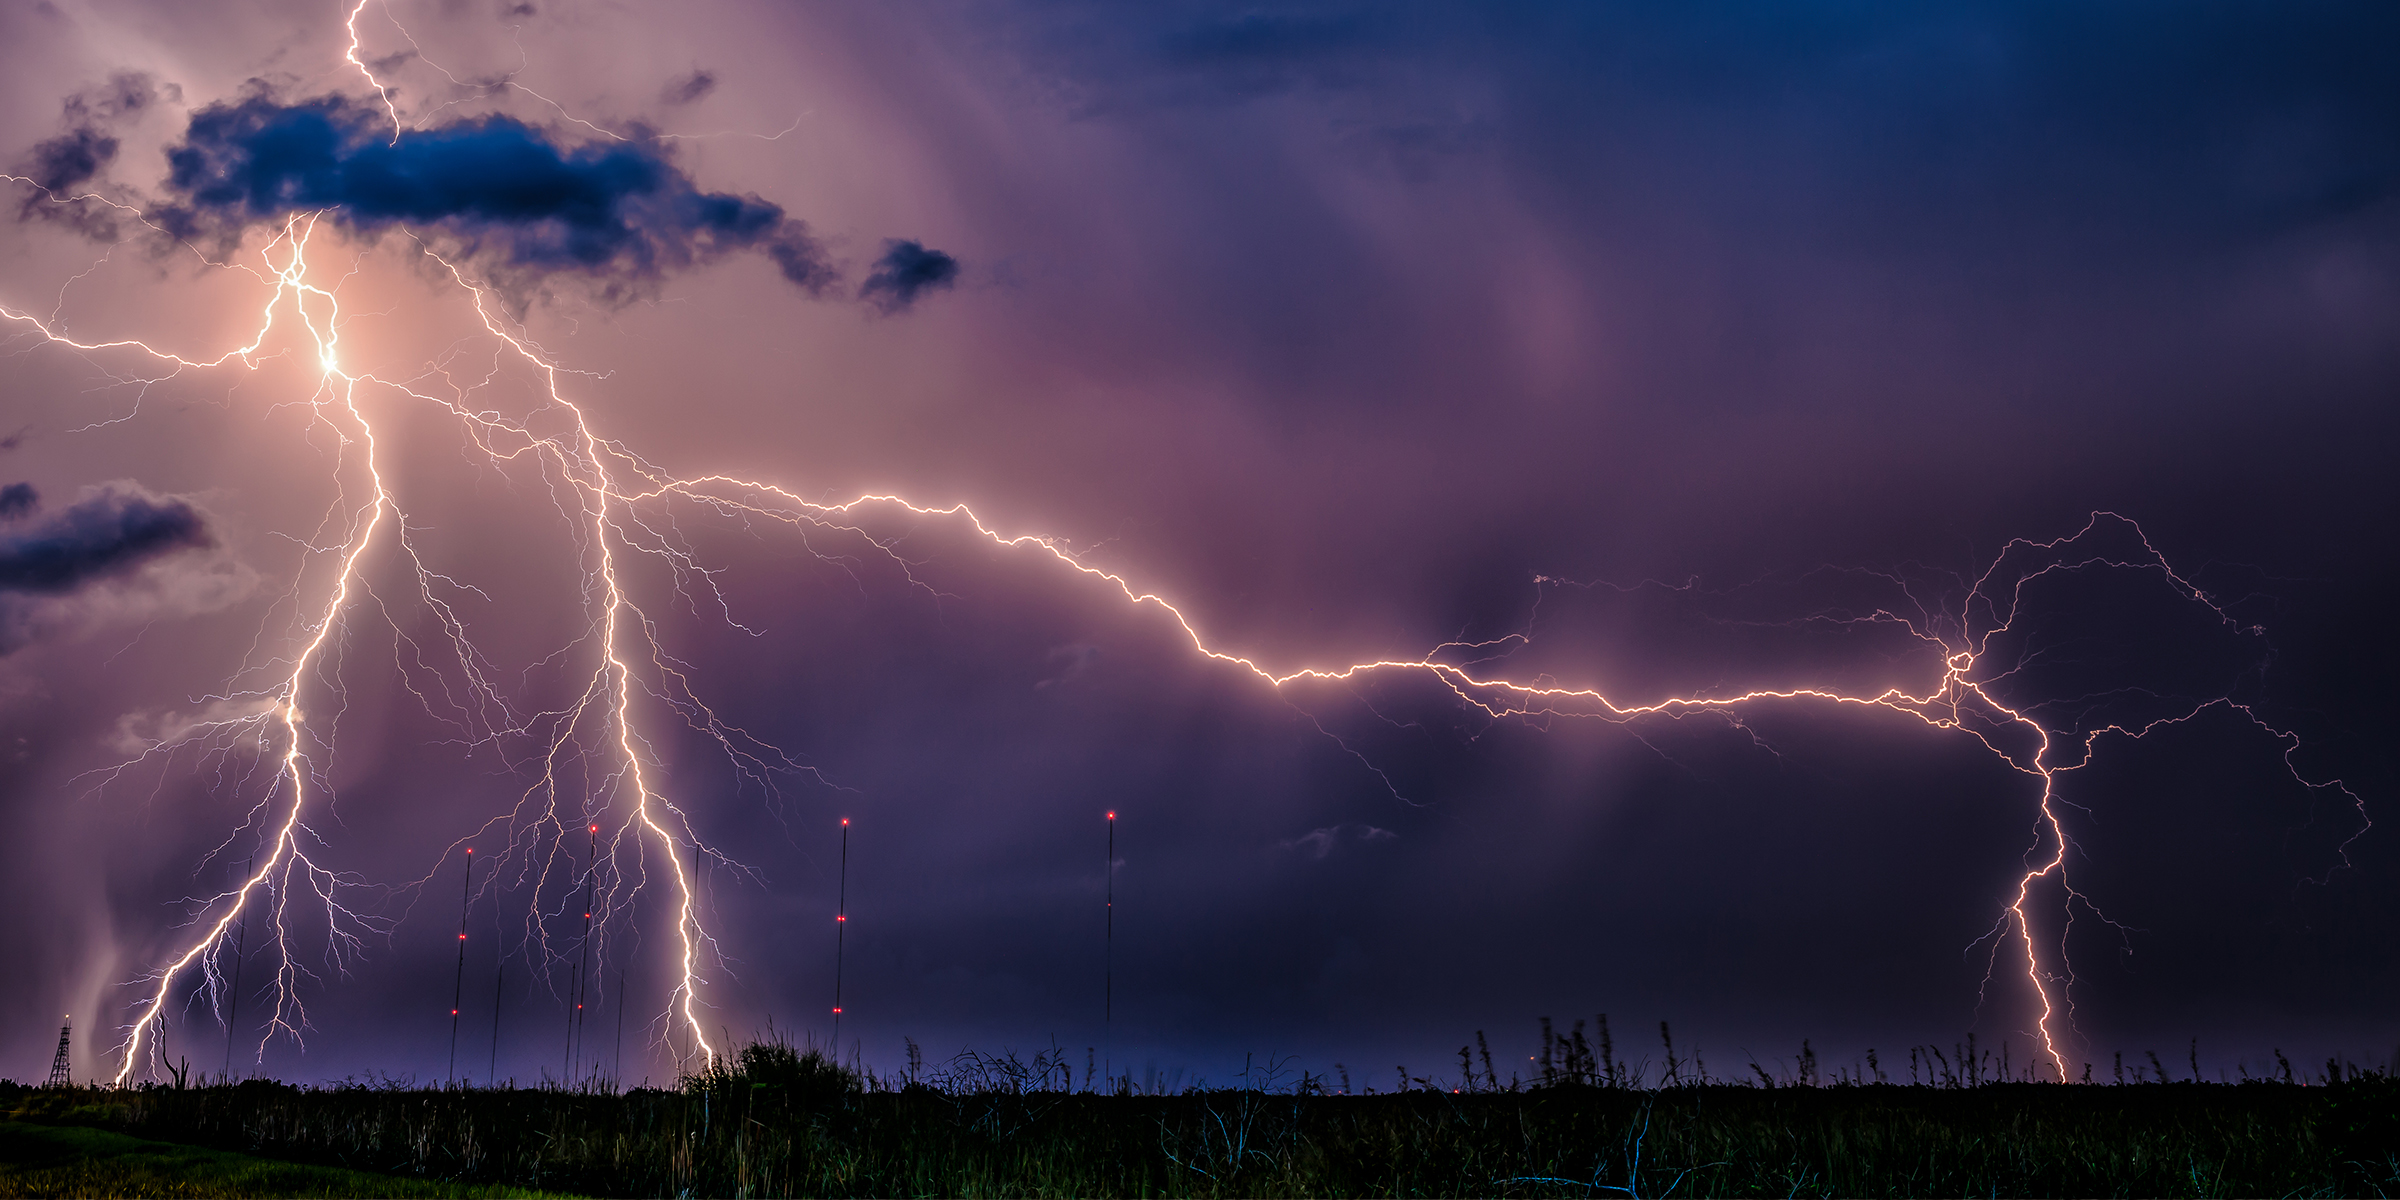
(1678, 338)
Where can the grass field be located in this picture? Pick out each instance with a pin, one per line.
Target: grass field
(71, 1160)
(778, 1122)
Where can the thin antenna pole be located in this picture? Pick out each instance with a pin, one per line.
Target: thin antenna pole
(841, 925)
(1108, 943)
(566, 1069)
(583, 974)
(241, 939)
(620, 1025)
(580, 991)
(499, 979)
(458, 982)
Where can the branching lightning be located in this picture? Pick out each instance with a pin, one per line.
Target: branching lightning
(606, 490)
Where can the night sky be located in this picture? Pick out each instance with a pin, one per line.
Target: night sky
(1663, 350)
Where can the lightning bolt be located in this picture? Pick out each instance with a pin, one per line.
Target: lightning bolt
(607, 489)
(612, 688)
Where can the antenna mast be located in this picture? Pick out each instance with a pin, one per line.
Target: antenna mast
(1108, 942)
(60, 1075)
(841, 925)
(458, 981)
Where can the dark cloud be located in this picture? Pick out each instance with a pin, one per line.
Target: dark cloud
(689, 88)
(18, 499)
(70, 159)
(502, 191)
(804, 263)
(906, 270)
(108, 534)
(61, 165)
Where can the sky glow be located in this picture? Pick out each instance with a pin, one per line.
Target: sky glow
(1528, 517)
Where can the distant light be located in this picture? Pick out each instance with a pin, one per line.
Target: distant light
(837, 1010)
(595, 829)
(845, 820)
(1112, 816)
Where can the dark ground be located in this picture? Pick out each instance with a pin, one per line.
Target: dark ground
(776, 1122)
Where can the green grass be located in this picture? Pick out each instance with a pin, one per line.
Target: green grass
(51, 1160)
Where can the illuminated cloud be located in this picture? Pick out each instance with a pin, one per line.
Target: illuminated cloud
(144, 732)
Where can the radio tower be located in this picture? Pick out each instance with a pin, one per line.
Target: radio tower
(841, 926)
(60, 1076)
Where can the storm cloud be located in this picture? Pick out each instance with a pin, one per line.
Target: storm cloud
(70, 159)
(60, 166)
(62, 571)
(503, 191)
(106, 534)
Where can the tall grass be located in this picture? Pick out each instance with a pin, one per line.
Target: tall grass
(776, 1119)
(38, 1160)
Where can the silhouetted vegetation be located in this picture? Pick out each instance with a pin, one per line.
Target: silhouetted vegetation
(68, 1160)
(774, 1119)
